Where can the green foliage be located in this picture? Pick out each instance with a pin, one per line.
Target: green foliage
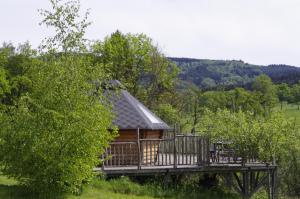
(52, 138)
(212, 74)
(290, 170)
(168, 113)
(251, 136)
(283, 92)
(244, 100)
(266, 92)
(4, 83)
(272, 138)
(14, 64)
(53, 119)
(213, 100)
(239, 99)
(208, 83)
(68, 26)
(122, 188)
(139, 65)
(295, 92)
(54, 127)
(290, 111)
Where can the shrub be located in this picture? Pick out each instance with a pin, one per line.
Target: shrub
(52, 138)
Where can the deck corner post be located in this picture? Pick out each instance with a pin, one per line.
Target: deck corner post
(246, 184)
(175, 153)
(272, 183)
(139, 148)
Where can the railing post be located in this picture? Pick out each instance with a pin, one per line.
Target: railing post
(200, 151)
(175, 153)
(139, 148)
(208, 151)
(103, 161)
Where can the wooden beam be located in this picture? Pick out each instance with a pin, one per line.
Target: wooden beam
(259, 185)
(246, 185)
(238, 181)
(175, 151)
(139, 149)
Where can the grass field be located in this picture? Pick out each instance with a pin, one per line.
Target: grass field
(121, 188)
(98, 189)
(290, 111)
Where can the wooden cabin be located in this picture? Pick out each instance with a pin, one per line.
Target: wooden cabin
(133, 120)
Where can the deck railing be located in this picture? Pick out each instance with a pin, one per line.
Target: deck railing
(176, 150)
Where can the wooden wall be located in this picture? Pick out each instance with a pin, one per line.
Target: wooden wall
(149, 152)
(131, 135)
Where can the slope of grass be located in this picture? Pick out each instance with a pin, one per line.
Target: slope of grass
(290, 111)
(121, 188)
(97, 189)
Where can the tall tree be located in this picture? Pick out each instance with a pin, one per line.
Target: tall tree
(266, 91)
(68, 25)
(295, 91)
(52, 136)
(139, 65)
(243, 100)
(283, 93)
(15, 63)
(195, 108)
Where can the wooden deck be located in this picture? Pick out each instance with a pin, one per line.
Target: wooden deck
(175, 153)
(213, 168)
(178, 154)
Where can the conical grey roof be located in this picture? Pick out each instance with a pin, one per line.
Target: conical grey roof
(132, 114)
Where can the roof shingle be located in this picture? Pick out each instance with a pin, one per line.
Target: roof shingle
(132, 114)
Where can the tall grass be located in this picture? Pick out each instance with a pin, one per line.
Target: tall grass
(120, 188)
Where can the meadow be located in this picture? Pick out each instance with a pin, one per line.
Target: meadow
(290, 111)
(120, 188)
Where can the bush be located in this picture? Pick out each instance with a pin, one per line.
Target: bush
(52, 138)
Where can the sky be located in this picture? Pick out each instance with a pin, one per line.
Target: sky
(255, 31)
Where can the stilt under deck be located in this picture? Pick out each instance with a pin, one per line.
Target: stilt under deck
(180, 154)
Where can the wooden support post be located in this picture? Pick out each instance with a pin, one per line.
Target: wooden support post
(246, 185)
(139, 149)
(166, 180)
(274, 178)
(271, 183)
(252, 181)
(270, 188)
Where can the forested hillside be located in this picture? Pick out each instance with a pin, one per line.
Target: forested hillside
(231, 73)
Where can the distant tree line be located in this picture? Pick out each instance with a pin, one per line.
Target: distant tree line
(228, 74)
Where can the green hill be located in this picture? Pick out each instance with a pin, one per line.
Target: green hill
(231, 73)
